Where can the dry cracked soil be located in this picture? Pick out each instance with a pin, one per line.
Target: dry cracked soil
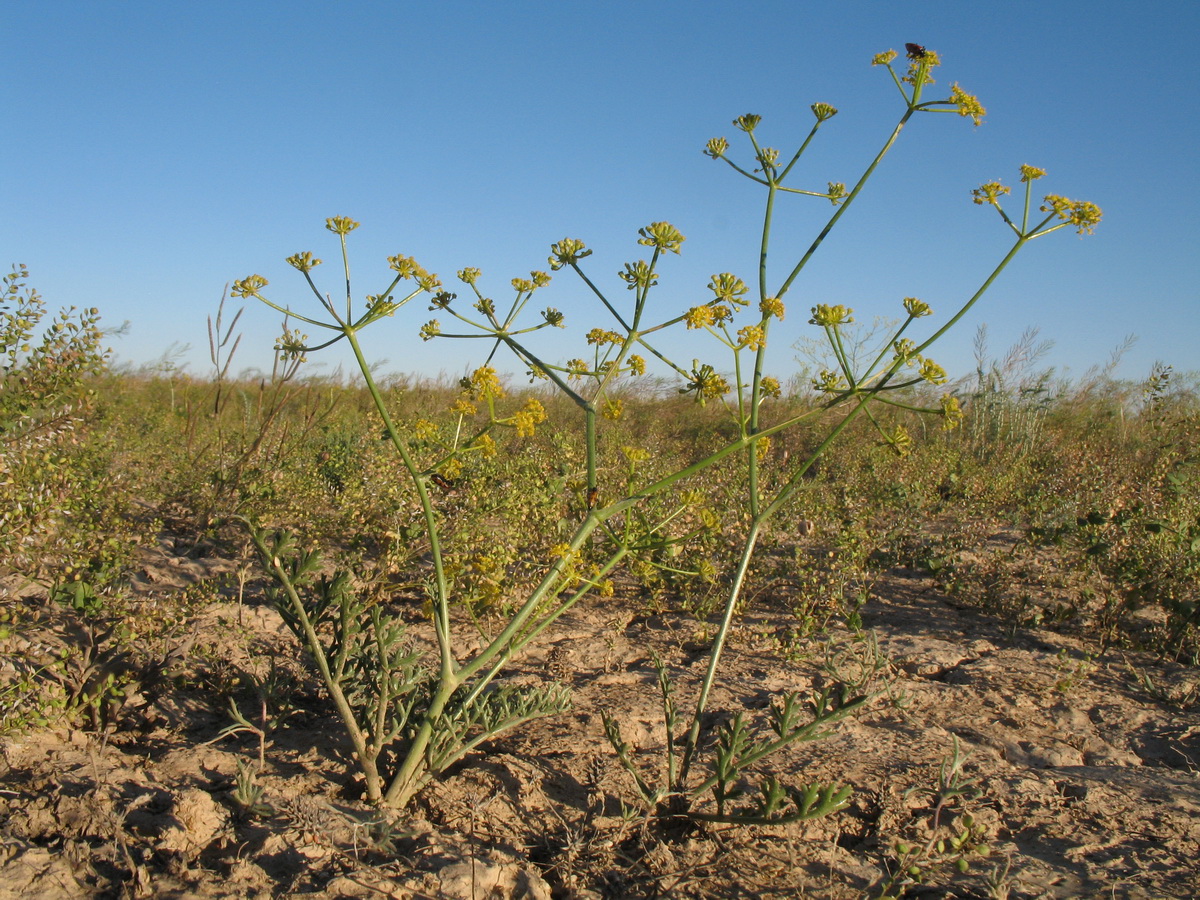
(1080, 776)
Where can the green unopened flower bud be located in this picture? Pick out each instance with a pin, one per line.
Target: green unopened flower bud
(340, 224)
(381, 306)
(952, 412)
(553, 317)
(916, 308)
(747, 123)
(442, 300)
(829, 382)
(522, 285)
(823, 111)
(303, 261)
(249, 286)
(406, 266)
(486, 306)
(469, 275)
(567, 252)
(768, 157)
(429, 282)
(837, 192)
(662, 235)
(638, 275)
(827, 315)
(716, 147)
(932, 372)
(430, 330)
(728, 287)
(899, 440)
(290, 345)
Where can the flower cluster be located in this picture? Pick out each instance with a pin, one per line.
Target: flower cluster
(661, 235)
(829, 382)
(303, 261)
(1083, 214)
(825, 315)
(747, 123)
(823, 111)
(407, 267)
(600, 336)
(706, 384)
(483, 382)
(728, 287)
(968, 104)
(990, 193)
(290, 345)
(638, 275)
(951, 411)
(249, 286)
(899, 440)
(613, 408)
(716, 147)
(340, 225)
(531, 415)
(752, 337)
(772, 306)
(469, 275)
(567, 252)
(916, 308)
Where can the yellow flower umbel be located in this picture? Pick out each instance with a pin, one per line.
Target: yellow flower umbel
(483, 382)
(968, 104)
(951, 411)
(1084, 215)
(772, 306)
(531, 415)
(752, 337)
(990, 193)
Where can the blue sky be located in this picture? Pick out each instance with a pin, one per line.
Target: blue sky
(158, 150)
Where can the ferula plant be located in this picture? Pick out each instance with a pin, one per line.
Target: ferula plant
(409, 712)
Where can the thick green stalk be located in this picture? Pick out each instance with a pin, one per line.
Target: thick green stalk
(441, 602)
(714, 657)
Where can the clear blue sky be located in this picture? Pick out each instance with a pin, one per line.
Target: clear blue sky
(157, 150)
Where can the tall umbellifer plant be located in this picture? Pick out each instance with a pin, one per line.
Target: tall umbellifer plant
(410, 714)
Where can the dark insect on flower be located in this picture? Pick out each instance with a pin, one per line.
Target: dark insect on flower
(916, 51)
(444, 483)
(593, 495)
